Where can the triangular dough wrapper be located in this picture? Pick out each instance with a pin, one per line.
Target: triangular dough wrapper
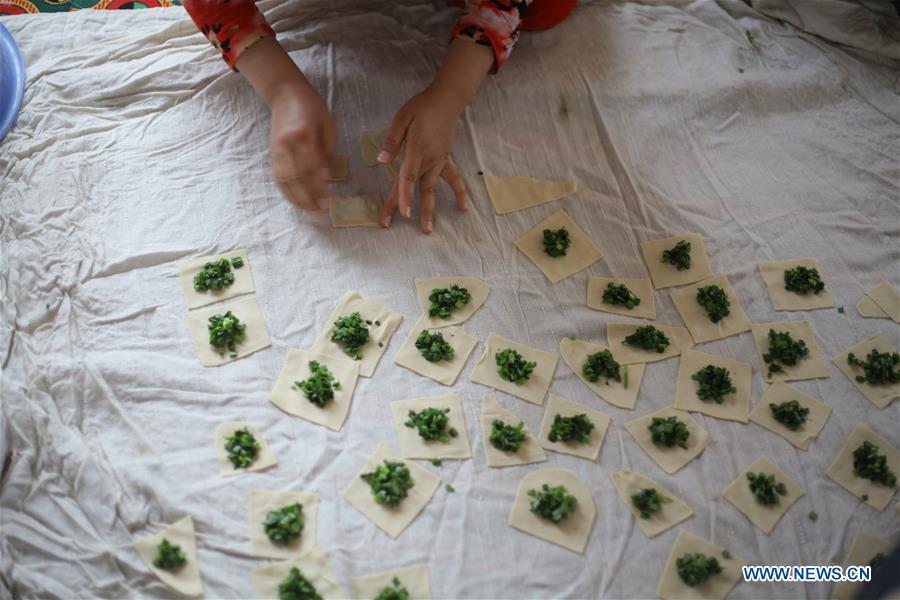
(186, 578)
(841, 469)
(881, 394)
(773, 274)
(445, 372)
(811, 366)
(509, 194)
(671, 514)
(534, 389)
(780, 392)
(763, 516)
(734, 406)
(863, 549)
(356, 211)
(567, 408)
(414, 578)
(477, 288)
(338, 169)
(573, 532)
(529, 451)
(313, 565)
(641, 287)
(411, 443)
(867, 308)
(261, 502)
(671, 459)
(887, 299)
(717, 587)
(581, 254)
(666, 275)
(696, 318)
(189, 267)
(245, 309)
(265, 458)
(616, 333)
(575, 353)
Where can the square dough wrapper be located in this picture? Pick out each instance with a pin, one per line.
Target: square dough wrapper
(413, 446)
(568, 408)
(185, 579)
(811, 366)
(187, 268)
(887, 299)
(671, 514)
(880, 395)
(265, 458)
(572, 533)
(671, 459)
(734, 407)
(773, 274)
(338, 168)
(313, 565)
(868, 309)
(529, 451)
(780, 392)
(841, 469)
(581, 254)
(863, 549)
(445, 372)
(356, 211)
(392, 520)
(293, 402)
(477, 288)
(641, 287)
(247, 310)
(509, 194)
(263, 501)
(575, 353)
(369, 310)
(665, 275)
(696, 318)
(616, 333)
(717, 587)
(763, 516)
(414, 578)
(534, 389)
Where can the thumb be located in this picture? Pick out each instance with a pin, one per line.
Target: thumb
(393, 140)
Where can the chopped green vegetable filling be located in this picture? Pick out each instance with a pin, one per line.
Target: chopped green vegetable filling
(576, 428)
(284, 525)
(395, 591)
(553, 503)
(869, 464)
(297, 587)
(679, 255)
(242, 448)
(601, 364)
(803, 280)
(648, 337)
(237, 262)
(878, 368)
(765, 488)
(352, 333)
(726, 554)
(714, 301)
(813, 515)
(512, 366)
(790, 414)
(450, 489)
(226, 332)
(715, 383)
(437, 462)
(390, 482)
(214, 275)
(669, 432)
(433, 346)
(557, 242)
(506, 437)
(649, 501)
(319, 387)
(696, 568)
(432, 424)
(783, 349)
(168, 556)
(620, 295)
(444, 301)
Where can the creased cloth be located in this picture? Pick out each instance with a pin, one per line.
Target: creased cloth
(137, 147)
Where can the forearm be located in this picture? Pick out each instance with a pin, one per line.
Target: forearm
(464, 68)
(271, 72)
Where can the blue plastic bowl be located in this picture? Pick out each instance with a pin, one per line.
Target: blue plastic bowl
(12, 81)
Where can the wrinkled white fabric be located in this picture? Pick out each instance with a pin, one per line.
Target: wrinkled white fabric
(137, 147)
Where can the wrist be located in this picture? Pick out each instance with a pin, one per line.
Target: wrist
(271, 72)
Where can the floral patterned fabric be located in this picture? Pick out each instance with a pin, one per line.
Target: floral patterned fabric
(20, 7)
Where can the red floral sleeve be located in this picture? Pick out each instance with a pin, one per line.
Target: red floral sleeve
(231, 26)
(496, 23)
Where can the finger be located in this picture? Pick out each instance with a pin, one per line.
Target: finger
(294, 191)
(390, 205)
(451, 175)
(393, 140)
(427, 189)
(409, 175)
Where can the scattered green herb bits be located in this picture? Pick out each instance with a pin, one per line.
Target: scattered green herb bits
(648, 337)
(870, 464)
(766, 489)
(242, 448)
(649, 501)
(297, 587)
(226, 332)
(513, 367)
(445, 301)
(552, 503)
(433, 347)
(351, 333)
(390, 482)
(784, 350)
(679, 256)
(320, 386)
(284, 525)
(506, 437)
(395, 591)
(790, 414)
(576, 428)
(714, 301)
(557, 242)
(601, 364)
(169, 556)
(714, 383)
(669, 432)
(695, 568)
(879, 368)
(620, 295)
(214, 275)
(803, 280)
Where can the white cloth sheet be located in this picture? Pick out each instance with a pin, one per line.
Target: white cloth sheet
(137, 147)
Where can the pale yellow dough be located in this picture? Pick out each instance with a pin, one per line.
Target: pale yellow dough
(572, 533)
(696, 318)
(478, 290)
(392, 520)
(887, 299)
(261, 503)
(265, 458)
(666, 275)
(186, 578)
(671, 459)
(868, 309)
(369, 310)
(763, 516)
(880, 394)
(773, 274)
(780, 392)
(863, 549)
(245, 309)
(734, 406)
(444, 372)
(313, 565)
(616, 333)
(509, 194)
(581, 254)
(841, 469)
(534, 389)
(338, 169)
(671, 514)
(811, 366)
(529, 451)
(187, 268)
(356, 211)
(567, 408)
(414, 578)
(575, 353)
(641, 287)
(717, 587)
(411, 443)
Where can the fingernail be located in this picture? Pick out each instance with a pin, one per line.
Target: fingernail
(427, 226)
(408, 212)
(384, 156)
(387, 222)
